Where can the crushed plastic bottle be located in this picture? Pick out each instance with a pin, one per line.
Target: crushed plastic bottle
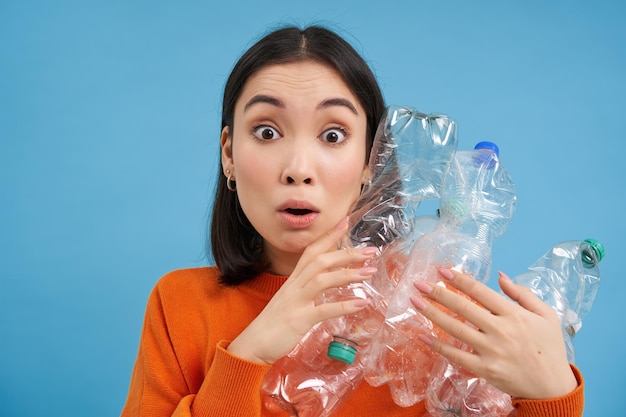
(455, 391)
(410, 156)
(477, 202)
(567, 278)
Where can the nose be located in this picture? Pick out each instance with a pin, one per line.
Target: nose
(299, 163)
(296, 180)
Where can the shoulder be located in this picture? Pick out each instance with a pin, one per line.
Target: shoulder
(206, 275)
(186, 295)
(187, 284)
(199, 288)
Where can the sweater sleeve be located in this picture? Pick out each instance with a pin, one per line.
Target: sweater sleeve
(570, 405)
(232, 387)
(157, 383)
(160, 387)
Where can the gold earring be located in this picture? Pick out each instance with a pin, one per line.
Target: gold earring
(230, 183)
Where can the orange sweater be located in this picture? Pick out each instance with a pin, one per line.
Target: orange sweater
(184, 369)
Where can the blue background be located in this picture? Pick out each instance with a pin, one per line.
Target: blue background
(109, 128)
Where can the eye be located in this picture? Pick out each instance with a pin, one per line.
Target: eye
(334, 135)
(265, 133)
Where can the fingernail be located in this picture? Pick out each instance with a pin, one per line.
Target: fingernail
(369, 251)
(342, 223)
(423, 287)
(425, 339)
(446, 273)
(502, 275)
(360, 302)
(367, 271)
(419, 303)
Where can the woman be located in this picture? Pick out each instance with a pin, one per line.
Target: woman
(300, 111)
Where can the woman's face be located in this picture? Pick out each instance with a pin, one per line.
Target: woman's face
(297, 154)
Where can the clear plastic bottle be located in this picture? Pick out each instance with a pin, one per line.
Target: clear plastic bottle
(477, 203)
(455, 391)
(410, 156)
(567, 278)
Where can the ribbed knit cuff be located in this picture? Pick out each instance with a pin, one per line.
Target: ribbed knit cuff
(568, 405)
(231, 386)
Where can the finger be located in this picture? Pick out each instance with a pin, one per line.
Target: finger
(341, 258)
(523, 296)
(453, 326)
(481, 293)
(339, 278)
(461, 357)
(314, 274)
(457, 303)
(341, 308)
(320, 253)
(329, 239)
(323, 244)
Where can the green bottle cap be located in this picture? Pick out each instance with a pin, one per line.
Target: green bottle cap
(455, 209)
(597, 247)
(341, 352)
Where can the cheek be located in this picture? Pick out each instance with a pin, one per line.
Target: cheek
(251, 173)
(345, 180)
(252, 179)
(251, 168)
(253, 188)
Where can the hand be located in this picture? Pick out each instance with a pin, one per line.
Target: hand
(517, 346)
(292, 312)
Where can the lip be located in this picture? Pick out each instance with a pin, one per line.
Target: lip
(294, 219)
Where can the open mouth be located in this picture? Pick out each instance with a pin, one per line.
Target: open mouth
(298, 212)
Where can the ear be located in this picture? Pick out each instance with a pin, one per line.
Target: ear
(226, 143)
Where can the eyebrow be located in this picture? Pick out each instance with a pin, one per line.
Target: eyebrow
(261, 98)
(338, 102)
(264, 99)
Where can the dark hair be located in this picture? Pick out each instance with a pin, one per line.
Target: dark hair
(236, 246)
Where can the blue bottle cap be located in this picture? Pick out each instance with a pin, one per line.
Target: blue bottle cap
(341, 352)
(487, 157)
(488, 145)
